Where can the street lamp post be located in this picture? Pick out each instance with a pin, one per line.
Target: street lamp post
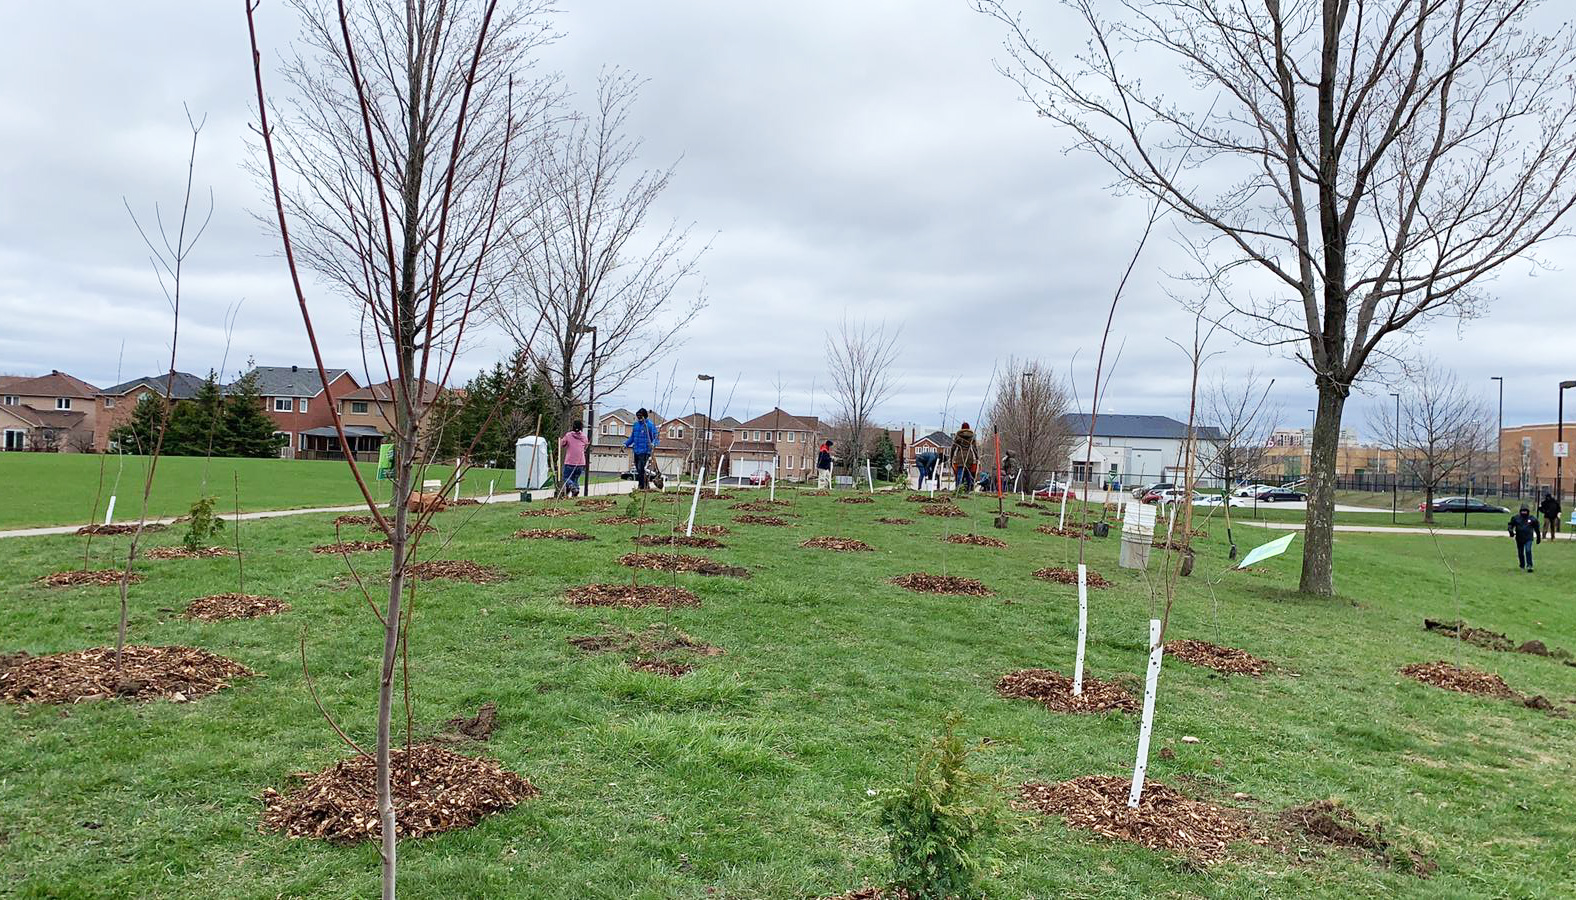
(1499, 437)
(1559, 428)
(1395, 463)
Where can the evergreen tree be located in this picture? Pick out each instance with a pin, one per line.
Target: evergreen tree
(507, 405)
(248, 431)
(884, 460)
(138, 435)
(197, 422)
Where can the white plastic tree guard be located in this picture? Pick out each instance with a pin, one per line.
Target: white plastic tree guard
(109, 512)
(1083, 627)
(695, 501)
(1146, 725)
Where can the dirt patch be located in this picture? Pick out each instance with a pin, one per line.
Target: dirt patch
(351, 547)
(661, 667)
(756, 506)
(844, 545)
(1054, 691)
(188, 553)
(628, 520)
(678, 562)
(120, 529)
(1165, 818)
(975, 540)
(1026, 505)
(10, 661)
(630, 596)
(709, 530)
(677, 540)
(456, 570)
(1493, 640)
(657, 640)
(90, 577)
(472, 728)
(552, 534)
(465, 501)
(815, 493)
(435, 790)
(1331, 822)
(1229, 660)
(926, 498)
(773, 521)
(219, 607)
(944, 510)
(1054, 531)
(354, 520)
(551, 512)
(894, 520)
(924, 583)
(596, 504)
(857, 499)
(1466, 680)
(145, 673)
(1062, 575)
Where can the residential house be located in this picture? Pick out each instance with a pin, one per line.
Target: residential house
(367, 414)
(116, 403)
(1136, 450)
(48, 413)
(776, 436)
(937, 442)
(293, 397)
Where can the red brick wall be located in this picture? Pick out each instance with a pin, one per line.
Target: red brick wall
(318, 411)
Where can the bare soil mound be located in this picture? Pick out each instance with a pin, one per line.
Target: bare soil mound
(844, 545)
(677, 540)
(678, 562)
(219, 607)
(925, 583)
(188, 553)
(1034, 505)
(552, 534)
(894, 520)
(351, 547)
(1054, 691)
(10, 661)
(435, 790)
(1331, 822)
(628, 520)
(456, 570)
(710, 530)
(1493, 640)
(1164, 820)
(354, 520)
(630, 596)
(145, 673)
(975, 540)
(471, 728)
(551, 512)
(1062, 575)
(944, 510)
(81, 578)
(773, 521)
(120, 529)
(1229, 660)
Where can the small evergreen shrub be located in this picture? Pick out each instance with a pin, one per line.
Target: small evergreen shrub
(201, 524)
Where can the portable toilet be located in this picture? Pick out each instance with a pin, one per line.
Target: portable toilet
(530, 463)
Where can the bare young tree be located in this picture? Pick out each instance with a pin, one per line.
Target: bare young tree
(1238, 406)
(586, 263)
(1371, 161)
(859, 361)
(1444, 430)
(1027, 411)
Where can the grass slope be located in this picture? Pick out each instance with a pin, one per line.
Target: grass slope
(748, 777)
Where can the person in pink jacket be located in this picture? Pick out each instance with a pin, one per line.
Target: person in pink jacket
(572, 454)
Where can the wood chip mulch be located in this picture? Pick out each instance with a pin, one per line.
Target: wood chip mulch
(708, 495)
(120, 529)
(356, 519)
(435, 790)
(1466, 680)
(1165, 819)
(465, 501)
(457, 570)
(219, 607)
(894, 520)
(552, 534)
(856, 499)
(410, 528)
(677, 540)
(1062, 575)
(661, 667)
(847, 545)
(596, 504)
(351, 547)
(145, 673)
(945, 510)
(922, 583)
(815, 493)
(926, 498)
(709, 530)
(551, 512)
(761, 506)
(1035, 505)
(81, 578)
(975, 540)
(630, 596)
(1229, 660)
(1063, 532)
(628, 520)
(678, 562)
(187, 553)
(773, 521)
(1054, 691)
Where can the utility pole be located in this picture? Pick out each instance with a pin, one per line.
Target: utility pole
(1499, 437)
(1395, 451)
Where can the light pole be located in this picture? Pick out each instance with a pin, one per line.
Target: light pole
(1559, 428)
(711, 395)
(1395, 460)
(1499, 437)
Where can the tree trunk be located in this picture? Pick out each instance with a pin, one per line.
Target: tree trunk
(1318, 549)
(391, 627)
(1428, 504)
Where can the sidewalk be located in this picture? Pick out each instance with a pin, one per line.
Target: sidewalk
(1382, 529)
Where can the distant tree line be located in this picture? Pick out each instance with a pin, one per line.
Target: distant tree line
(212, 422)
(497, 408)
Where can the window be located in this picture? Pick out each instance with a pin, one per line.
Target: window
(62, 403)
(790, 436)
(284, 404)
(284, 445)
(15, 439)
(303, 404)
(359, 407)
(303, 440)
(12, 400)
(109, 402)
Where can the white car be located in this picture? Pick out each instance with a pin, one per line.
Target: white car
(1218, 500)
(1249, 491)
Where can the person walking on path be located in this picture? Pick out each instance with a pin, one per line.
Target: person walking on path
(641, 441)
(926, 463)
(964, 459)
(823, 466)
(1550, 508)
(1524, 528)
(572, 454)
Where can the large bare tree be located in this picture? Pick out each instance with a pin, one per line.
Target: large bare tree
(1444, 430)
(859, 362)
(588, 257)
(1027, 411)
(1369, 161)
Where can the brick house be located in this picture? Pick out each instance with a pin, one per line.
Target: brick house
(49, 413)
(776, 435)
(609, 456)
(367, 415)
(115, 403)
(293, 398)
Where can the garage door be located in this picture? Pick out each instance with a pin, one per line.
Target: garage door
(744, 468)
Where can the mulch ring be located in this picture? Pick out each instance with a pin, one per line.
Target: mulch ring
(1229, 660)
(120, 529)
(188, 553)
(1331, 822)
(176, 673)
(218, 607)
(1054, 691)
(1035, 505)
(1062, 575)
(1063, 532)
(926, 498)
(630, 596)
(707, 495)
(354, 520)
(628, 520)
(457, 570)
(756, 506)
(856, 499)
(553, 534)
(83, 578)
(975, 540)
(1493, 640)
(596, 504)
(351, 547)
(923, 583)
(435, 790)
(874, 893)
(1465, 680)
(1165, 818)
(677, 540)
(847, 545)
(552, 512)
(894, 520)
(410, 528)
(945, 510)
(774, 521)
(678, 562)
(709, 530)
(658, 639)
(816, 493)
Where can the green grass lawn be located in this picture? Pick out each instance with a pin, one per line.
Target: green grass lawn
(748, 777)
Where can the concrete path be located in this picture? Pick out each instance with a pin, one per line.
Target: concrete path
(1381, 529)
(610, 488)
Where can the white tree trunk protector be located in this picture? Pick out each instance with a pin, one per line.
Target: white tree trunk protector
(1151, 682)
(109, 512)
(1083, 627)
(695, 501)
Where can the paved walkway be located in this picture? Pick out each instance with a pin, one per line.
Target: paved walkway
(608, 488)
(1380, 529)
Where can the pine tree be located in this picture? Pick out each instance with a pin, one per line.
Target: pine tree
(884, 460)
(138, 435)
(196, 422)
(249, 432)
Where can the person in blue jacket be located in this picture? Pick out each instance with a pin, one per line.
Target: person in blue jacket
(641, 441)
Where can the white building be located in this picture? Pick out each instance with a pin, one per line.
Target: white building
(1138, 450)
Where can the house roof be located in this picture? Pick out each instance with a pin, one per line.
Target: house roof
(182, 387)
(778, 420)
(292, 381)
(727, 422)
(939, 438)
(55, 384)
(47, 418)
(1163, 427)
(350, 431)
(382, 393)
(621, 414)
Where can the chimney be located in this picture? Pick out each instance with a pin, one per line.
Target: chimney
(294, 369)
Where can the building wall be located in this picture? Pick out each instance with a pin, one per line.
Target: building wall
(78, 404)
(1538, 458)
(318, 413)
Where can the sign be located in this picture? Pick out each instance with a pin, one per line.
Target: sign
(1562, 449)
(386, 462)
(1265, 551)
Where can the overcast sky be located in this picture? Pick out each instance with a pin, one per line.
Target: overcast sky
(861, 159)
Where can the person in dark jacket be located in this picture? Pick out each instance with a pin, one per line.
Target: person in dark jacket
(1524, 528)
(926, 462)
(1550, 508)
(965, 459)
(823, 466)
(641, 441)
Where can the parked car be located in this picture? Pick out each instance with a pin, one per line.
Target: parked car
(1249, 491)
(1219, 500)
(1167, 496)
(1050, 490)
(760, 478)
(1281, 495)
(1143, 492)
(1462, 505)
